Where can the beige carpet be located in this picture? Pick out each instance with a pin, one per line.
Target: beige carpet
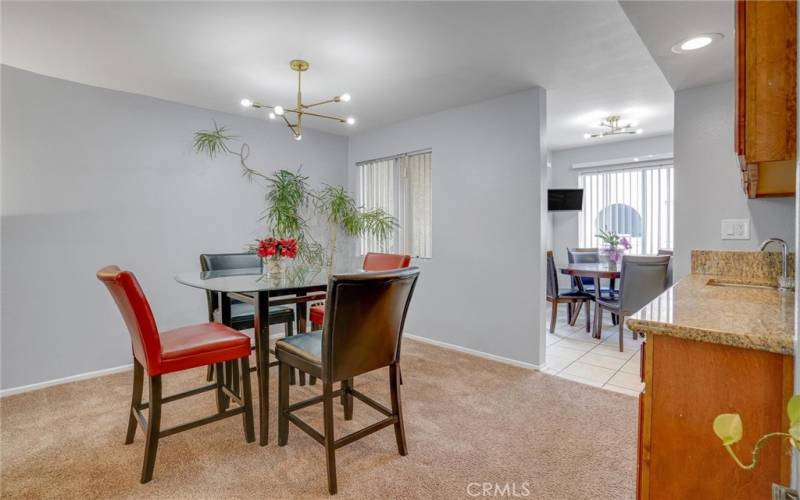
(467, 420)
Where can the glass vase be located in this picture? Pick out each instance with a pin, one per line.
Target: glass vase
(274, 266)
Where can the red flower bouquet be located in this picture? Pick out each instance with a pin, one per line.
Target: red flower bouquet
(273, 247)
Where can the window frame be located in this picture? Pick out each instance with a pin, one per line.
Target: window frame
(399, 198)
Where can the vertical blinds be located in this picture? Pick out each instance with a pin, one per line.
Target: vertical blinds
(402, 186)
(636, 202)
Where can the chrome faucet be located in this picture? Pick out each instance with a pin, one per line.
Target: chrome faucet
(784, 283)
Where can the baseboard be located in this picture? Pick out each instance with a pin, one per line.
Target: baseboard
(64, 380)
(80, 376)
(473, 352)
(117, 369)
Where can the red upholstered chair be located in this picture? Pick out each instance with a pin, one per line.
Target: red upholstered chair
(372, 262)
(172, 351)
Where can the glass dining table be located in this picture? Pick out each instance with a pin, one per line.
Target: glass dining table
(297, 286)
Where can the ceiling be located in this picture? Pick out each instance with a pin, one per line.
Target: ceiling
(664, 24)
(398, 60)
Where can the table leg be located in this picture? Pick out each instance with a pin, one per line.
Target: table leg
(261, 325)
(302, 312)
(596, 331)
(225, 319)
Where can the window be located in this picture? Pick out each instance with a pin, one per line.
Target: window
(636, 202)
(401, 185)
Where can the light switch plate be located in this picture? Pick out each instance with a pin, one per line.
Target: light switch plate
(735, 229)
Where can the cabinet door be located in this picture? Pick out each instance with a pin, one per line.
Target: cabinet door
(769, 41)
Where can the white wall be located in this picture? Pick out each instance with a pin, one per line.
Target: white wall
(707, 182)
(565, 224)
(94, 177)
(483, 288)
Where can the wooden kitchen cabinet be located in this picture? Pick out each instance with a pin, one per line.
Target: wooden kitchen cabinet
(766, 96)
(687, 384)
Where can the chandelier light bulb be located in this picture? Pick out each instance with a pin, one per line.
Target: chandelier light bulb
(298, 137)
(279, 110)
(350, 120)
(246, 103)
(271, 115)
(344, 97)
(639, 131)
(587, 136)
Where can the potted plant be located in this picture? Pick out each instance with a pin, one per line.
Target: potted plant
(614, 247)
(273, 251)
(292, 204)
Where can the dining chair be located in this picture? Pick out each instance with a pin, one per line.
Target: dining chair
(643, 279)
(161, 353)
(589, 256)
(574, 298)
(373, 261)
(242, 314)
(362, 332)
(664, 251)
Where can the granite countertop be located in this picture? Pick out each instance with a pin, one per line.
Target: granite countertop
(751, 318)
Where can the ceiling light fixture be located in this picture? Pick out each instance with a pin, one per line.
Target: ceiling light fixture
(696, 42)
(300, 109)
(612, 126)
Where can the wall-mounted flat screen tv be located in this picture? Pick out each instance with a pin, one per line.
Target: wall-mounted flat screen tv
(564, 200)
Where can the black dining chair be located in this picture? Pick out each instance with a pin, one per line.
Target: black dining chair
(584, 284)
(242, 314)
(576, 299)
(643, 279)
(362, 332)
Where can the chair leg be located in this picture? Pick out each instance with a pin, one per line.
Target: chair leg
(570, 310)
(347, 399)
(222, 401)
(228, 382)
(598, 322)
(136, 399)
(397, 409)
(210, 373)
(576, 311)
(588, 318)
(289, 333)
(553, 315)
(153, 429)
(330, 451)
(235, 377)
(247, 397)
(284, 371)
(621, 333)
(312, 380)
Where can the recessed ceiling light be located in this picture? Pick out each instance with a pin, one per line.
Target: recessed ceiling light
(695, 42)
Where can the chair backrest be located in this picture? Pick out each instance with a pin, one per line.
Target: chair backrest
(224, 261)
(643, 279)
(664, 251)
(137, 314)
(364, 317)
(583, 256)
(385, 261)
(552, 277)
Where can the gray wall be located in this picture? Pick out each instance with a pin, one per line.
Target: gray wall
(94, 177)
(707, 183)
(565, 224)
(483, 287)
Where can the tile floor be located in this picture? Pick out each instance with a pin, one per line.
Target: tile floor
(573, 354)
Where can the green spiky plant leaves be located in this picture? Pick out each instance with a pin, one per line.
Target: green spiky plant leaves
(291, 203)
(729, 429)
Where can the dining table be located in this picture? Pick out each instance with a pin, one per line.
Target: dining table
(297, 286)
(596, 271)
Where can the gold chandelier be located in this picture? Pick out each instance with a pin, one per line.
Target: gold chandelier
(612, 126)
(300, 110)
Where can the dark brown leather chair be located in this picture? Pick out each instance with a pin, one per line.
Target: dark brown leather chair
(575, 299)
(362, 331)
(242, 314)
